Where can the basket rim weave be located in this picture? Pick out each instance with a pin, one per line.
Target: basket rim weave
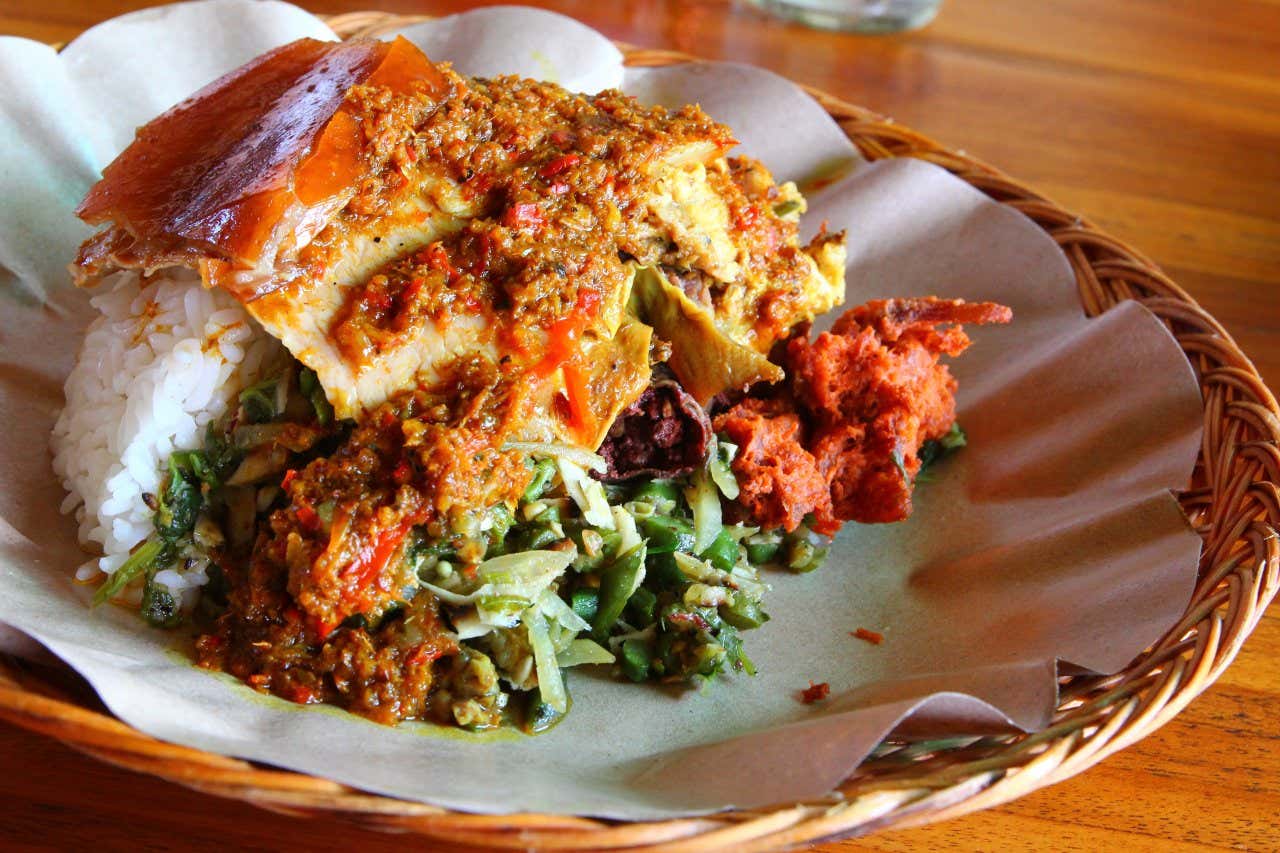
(1233, 502)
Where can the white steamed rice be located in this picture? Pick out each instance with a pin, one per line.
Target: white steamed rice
(159, 364)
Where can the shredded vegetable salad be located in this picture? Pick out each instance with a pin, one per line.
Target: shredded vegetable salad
(646, 577)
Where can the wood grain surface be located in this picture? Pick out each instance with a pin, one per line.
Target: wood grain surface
(1157, 119)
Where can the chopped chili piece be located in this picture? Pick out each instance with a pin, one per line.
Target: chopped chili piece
(410, 294)
(301, 695)
(588, 301)
(815, 692)
(522, 215)
(307, 517)
(437, 257)
(322, 629)
(425, 653)
(688, 618)
(875, 638)
(483, 253)
(577, 394)
(370, 562)
(377, 299)
(478, 184)
(558, 165)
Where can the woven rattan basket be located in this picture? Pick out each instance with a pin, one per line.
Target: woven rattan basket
(1233, 501)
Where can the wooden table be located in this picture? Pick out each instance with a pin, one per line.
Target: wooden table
(1159, 120)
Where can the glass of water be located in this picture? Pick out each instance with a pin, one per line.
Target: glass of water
(863, 16)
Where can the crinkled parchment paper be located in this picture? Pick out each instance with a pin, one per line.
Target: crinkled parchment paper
(1052, 537)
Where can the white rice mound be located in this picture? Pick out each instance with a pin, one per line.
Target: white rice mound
(161, 362)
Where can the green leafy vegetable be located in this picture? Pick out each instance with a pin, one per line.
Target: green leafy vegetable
(180, 503)
(731, 641)
(742, 612)
(540, 715)
(719, 466)
(309, 385)
(550, 682)
(150, 553)
(936, 449)
(786, 208)
(259, 401)
(804, 550)
(500, 520)
(900, 463)
(580, 652)
(174, 519)
(159, 606)
(704, 502)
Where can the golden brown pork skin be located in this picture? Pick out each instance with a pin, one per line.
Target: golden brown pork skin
(257, 158)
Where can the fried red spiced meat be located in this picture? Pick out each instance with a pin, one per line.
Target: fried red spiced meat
(864, 398)
(778, 480)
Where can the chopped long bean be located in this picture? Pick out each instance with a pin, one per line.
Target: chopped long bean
(666, 534)
(617, 583)
(723, 551)
(635, 659)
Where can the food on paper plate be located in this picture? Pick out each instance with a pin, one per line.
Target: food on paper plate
(411, 391)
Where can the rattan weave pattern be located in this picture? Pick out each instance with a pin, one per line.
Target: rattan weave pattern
(1233, 501)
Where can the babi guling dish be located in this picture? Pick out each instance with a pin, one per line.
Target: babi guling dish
(410, 391)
